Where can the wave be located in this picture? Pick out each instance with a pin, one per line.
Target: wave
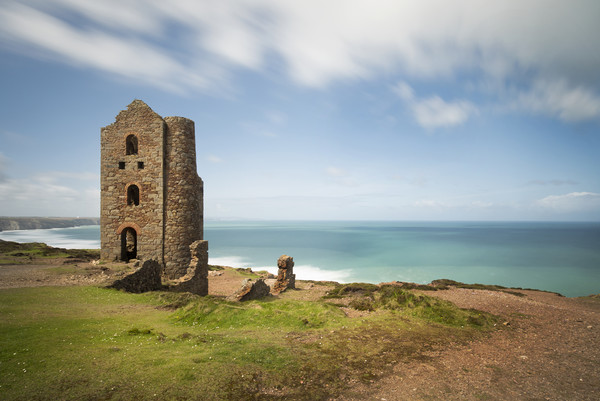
(56, 237)
(308, 272)
(303, 272)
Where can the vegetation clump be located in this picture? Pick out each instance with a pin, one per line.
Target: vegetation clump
(446, 283)
(392, 297)
(342, 290)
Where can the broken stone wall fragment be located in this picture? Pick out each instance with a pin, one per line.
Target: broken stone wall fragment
(143, 279)
(285, 275)
(196, 278)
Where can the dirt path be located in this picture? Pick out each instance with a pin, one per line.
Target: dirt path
(52, 273)
(549, 350)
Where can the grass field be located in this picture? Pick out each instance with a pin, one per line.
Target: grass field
(89, 343)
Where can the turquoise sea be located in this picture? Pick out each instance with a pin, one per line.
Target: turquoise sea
(561, 257)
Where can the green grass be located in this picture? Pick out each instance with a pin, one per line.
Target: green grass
(40, 250)
(87, 343)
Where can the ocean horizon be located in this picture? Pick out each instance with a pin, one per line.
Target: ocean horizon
(555, 256)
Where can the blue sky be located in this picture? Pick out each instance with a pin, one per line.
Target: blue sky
(314, 109)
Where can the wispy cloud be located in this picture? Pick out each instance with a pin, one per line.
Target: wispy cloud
(430, 204)
(340, 176)
(572, 202)
(183, 45)
(15, 137)
(434, 112)
(214, 159)
(558, 98)
(419, 180)
(3, 161)
(97, 47)
(335, 172)
(52, 191)
(556, 183)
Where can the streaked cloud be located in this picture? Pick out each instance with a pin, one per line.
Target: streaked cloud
(130, 57)
(335, 172)
(556, 183)
(430, 204)
(434, 112)
(184, 46)
(558, 98)
(34, 196)
(341, 177)
(214, 159)
(3, 162)
(572, 202)
(15, 138)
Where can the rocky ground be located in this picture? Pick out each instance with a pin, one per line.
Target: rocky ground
(548, 347)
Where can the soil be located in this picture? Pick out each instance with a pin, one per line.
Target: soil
(548, 347)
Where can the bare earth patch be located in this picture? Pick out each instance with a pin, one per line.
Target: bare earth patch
(549, 349)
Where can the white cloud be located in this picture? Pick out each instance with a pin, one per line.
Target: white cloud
(340, 176)
(434, 112)
(193, 45)
(131, 57)
(3, 161)
(404, 91)
(52, 193)
(214, 159)
(276, 117)
(572, 202)
(558, 98)
(430, 204)
(555, 182)
(53, 176)
(336, 172)
(481, 204)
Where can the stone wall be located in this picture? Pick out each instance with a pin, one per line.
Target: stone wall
(196, 278)
(183, 201)
(143, 279)
(167, 214)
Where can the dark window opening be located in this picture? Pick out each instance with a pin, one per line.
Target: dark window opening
(140, 165)
(121, 165)
(128, 244)
(133, 195)
(131, 145)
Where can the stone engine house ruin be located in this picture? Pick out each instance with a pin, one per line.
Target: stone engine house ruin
(151, 194)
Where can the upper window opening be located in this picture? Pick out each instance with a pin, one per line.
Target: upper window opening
(121, 165)
(131, 145)
(133, 195)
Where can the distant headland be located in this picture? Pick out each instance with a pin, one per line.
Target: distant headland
(32, 223)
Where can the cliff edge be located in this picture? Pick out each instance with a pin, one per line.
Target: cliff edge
(32, 223)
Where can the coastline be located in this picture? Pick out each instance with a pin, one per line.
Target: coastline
(561, 257)
(35, 223)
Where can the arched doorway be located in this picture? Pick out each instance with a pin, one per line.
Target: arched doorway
(128, 244)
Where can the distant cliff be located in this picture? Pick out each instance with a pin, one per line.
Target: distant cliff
(31, 223)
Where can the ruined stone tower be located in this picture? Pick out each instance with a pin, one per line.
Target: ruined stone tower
(151, 195)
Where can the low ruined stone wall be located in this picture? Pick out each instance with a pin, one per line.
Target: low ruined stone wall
(145, 278)
(196, 278)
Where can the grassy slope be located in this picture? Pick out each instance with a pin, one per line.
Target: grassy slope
(22, 253)
(86, 343)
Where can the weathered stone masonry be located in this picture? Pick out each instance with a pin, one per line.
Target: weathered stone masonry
(151, 194)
